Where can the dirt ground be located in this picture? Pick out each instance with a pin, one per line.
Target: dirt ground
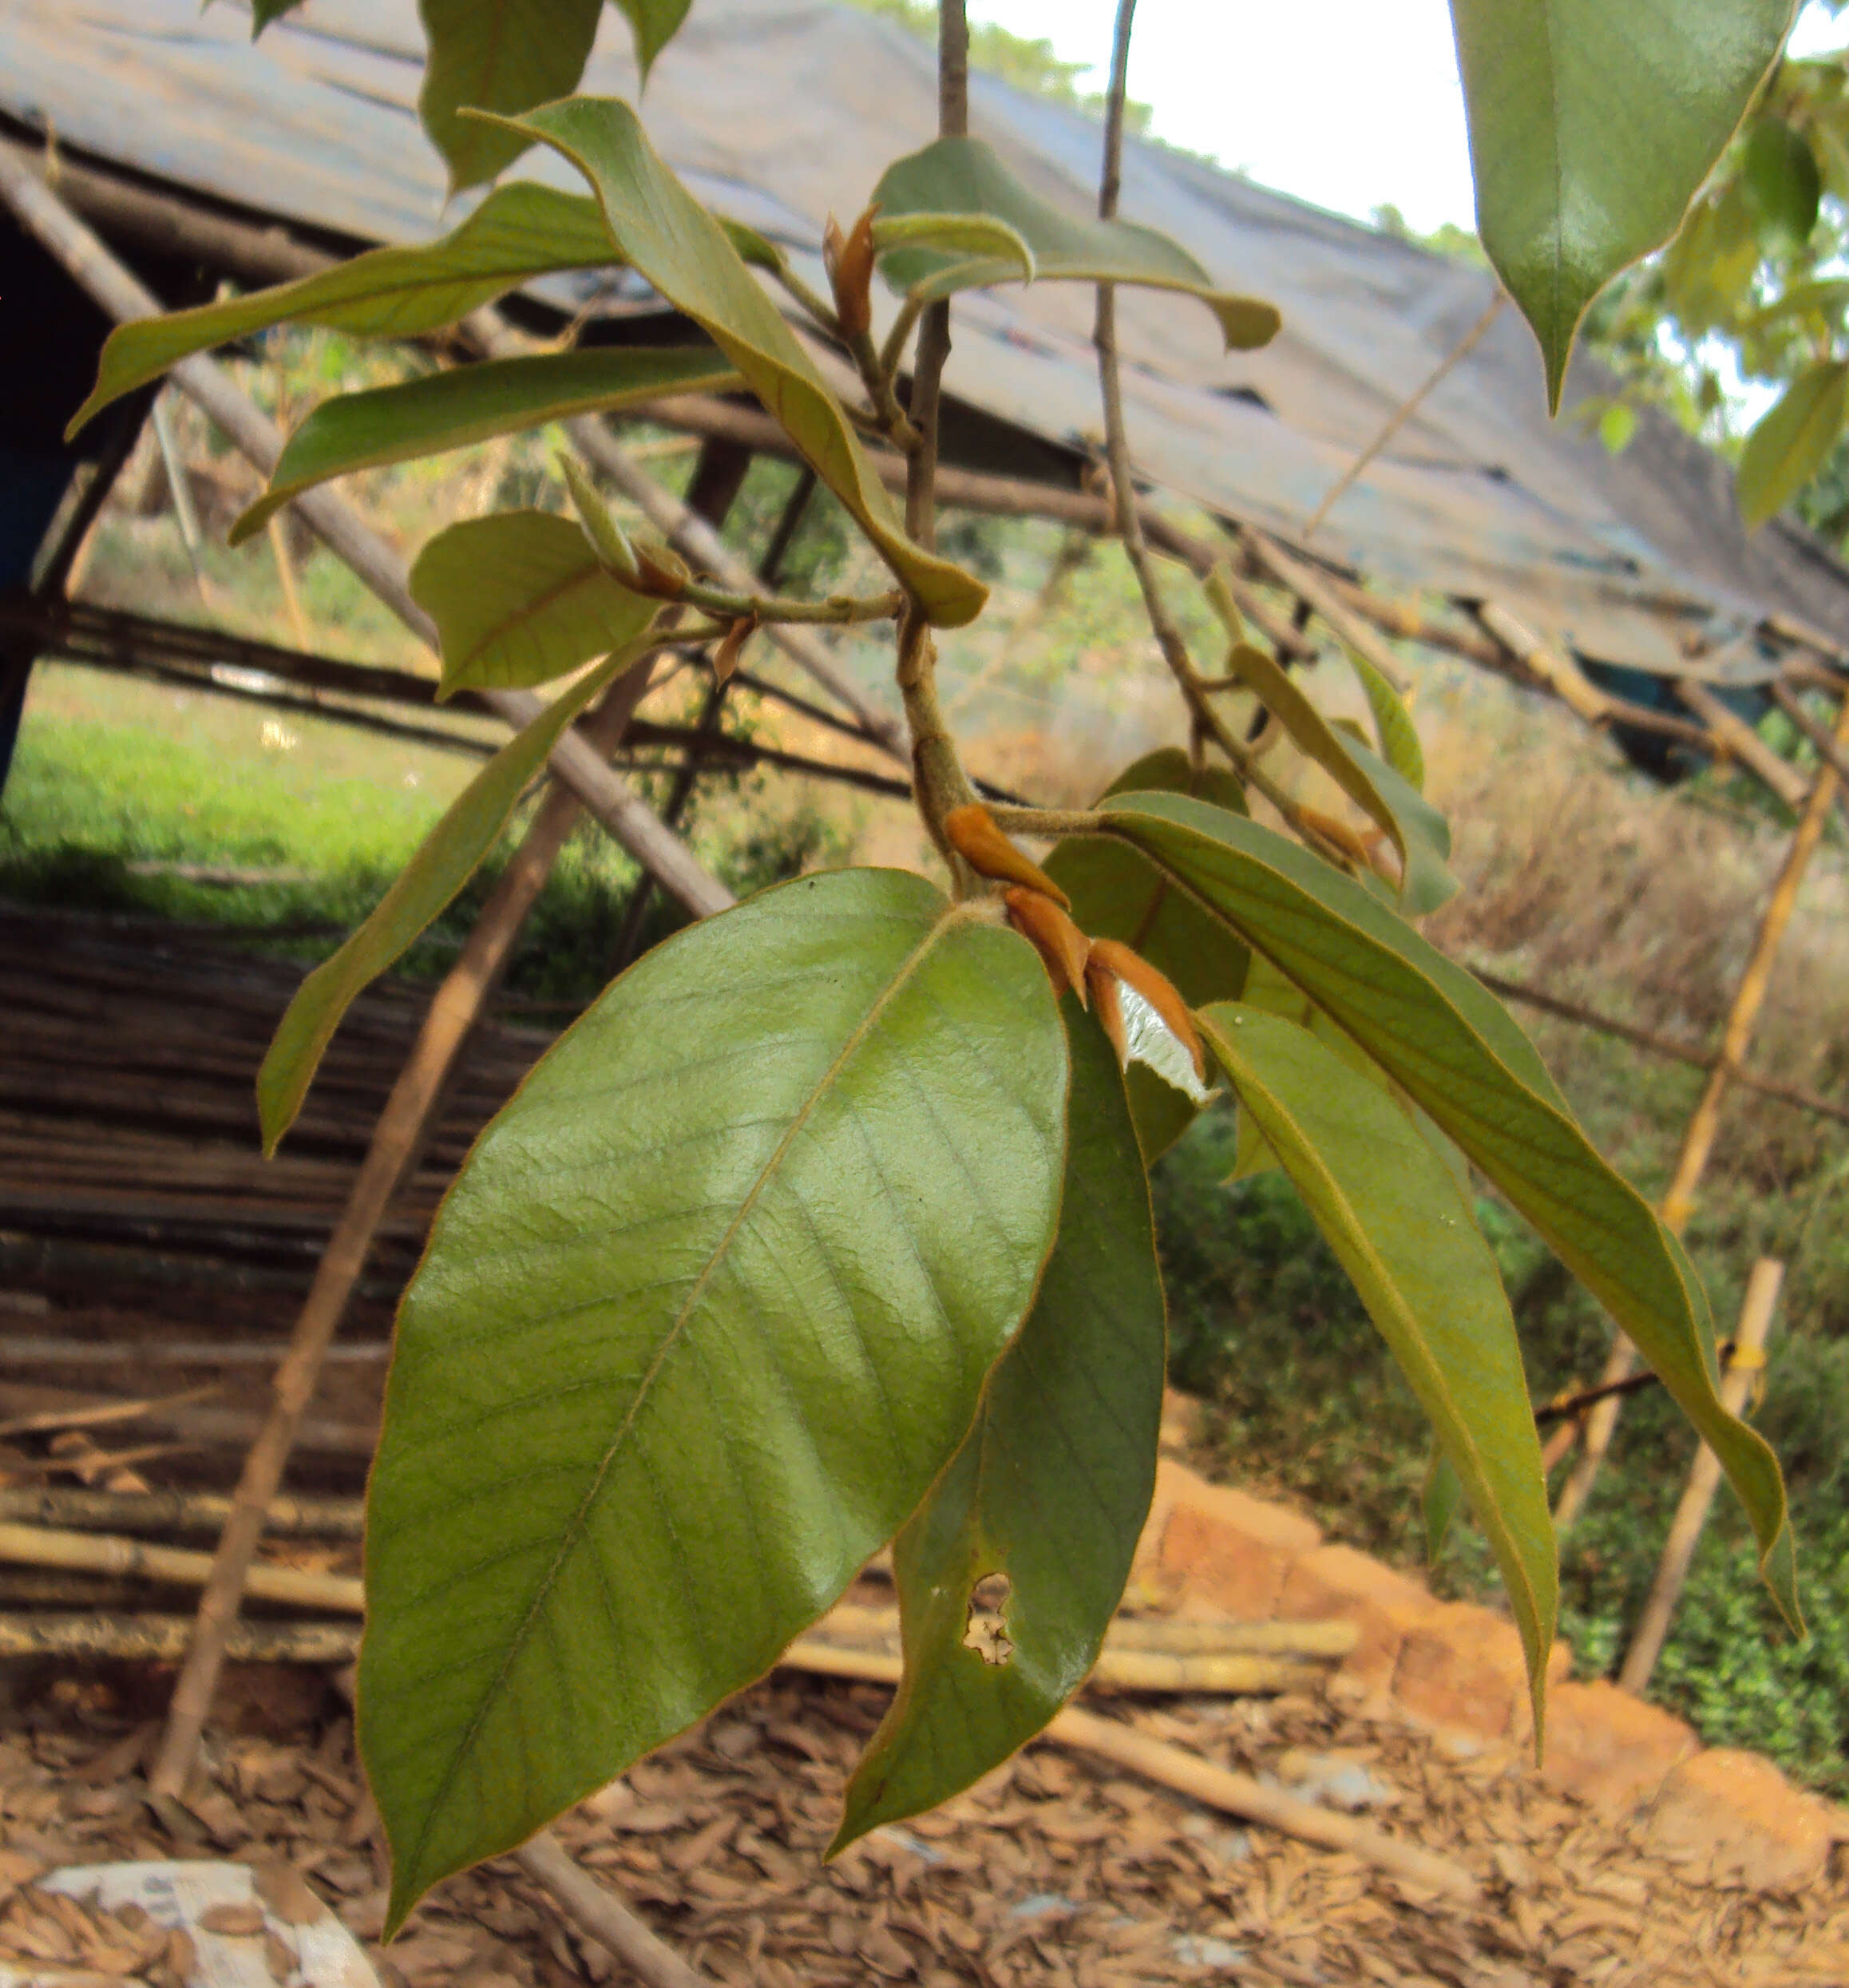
(1054, 1870)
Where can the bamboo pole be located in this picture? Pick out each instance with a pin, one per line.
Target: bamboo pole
(1151, 1670)
(1560, 674)
(605, 794)
(178, 1511)
(1647, 1638)
(1141, 1635)
(1738, 741)
(391, 1159)
(1295, 577)
(163, 1639)
(1698, 1137)
(177, 1566)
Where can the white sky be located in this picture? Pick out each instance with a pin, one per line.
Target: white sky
(1349, 104)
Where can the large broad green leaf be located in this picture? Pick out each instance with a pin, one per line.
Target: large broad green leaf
(1791, 440)
(467, 404)
(1389, 1207)
(655, 22)
(1116, 895)
(519, 598)
(498, 55)
(964, 176)
(447, 857)
(518, 232)
(1455, 1051)
(664, 231)
(1418, 831)
(1591, 126)
(705, 1314)
(1050, 1488)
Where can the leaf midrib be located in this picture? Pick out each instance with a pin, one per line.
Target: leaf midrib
(574, 1530)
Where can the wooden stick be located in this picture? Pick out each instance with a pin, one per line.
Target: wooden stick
(391, 1158)
(163, 1638)
(1558, 673)
(595, 1911)
(1756, 1317)
(48, 1350)
(1152, 1670)
(1140, 1635)
(214, 1427)
(107, 1553)
(1698, 1136)
(1737, 740)
(100, 1415)
(286, 573)
(1831, 753)
(1667, 1046)
(1174, 1768)
(1405, 412)
(1296, 577)
(605, 794)
(179, 1511)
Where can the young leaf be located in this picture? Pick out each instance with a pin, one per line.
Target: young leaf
(655, 22)
(467, 404)
(1438, 1498)
(498, 55)
(1591, 126)
(1780, 178)
(518, 599)
(1455, 1051)
(1116, 895)
(706, 1312)
(660, 228)
(447, 857)
(518, 232)
(1418, 830)
(965, 235)
(1050, 1488)
(1389, 1209)
(1393, 724)
(1791, 440)
(964, 176)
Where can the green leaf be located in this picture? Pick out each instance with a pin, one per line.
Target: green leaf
(1050, 1488)
(519, 598)
(1591, 127)
(505, 56)
(264, 12)
(1391, 1211)
(1457, 1052)
(1116, 895)
(466, 404)
(1779, 175)
(705, 1314)
(655, 22)
(518, 232)
(1791, 440)
(447, 857)
(1438, 1498)
(1824, 299)
(1393, 724)
(967, 237)
(964, 176)
(664, 231)
(1616, 425)
(1418, 831)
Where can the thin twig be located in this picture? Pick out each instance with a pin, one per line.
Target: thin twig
(594, 1910)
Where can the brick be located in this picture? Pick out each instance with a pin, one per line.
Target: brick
(1606, 1747)
(1338, 1584)
(1461, 1670)
(1223, 1551)
(1731, 1818)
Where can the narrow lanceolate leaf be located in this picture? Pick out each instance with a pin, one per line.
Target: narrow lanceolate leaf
(1791, 440)
(1393, 724)
(518, 232)
(1418, 831)
(519, 599)
(655, 22)
(664, 231)
(1591, 127)
(1116, 894)
(1050, 1488)
(964, 176)
(704, 1316)
(468, 404)
(499, 55)
(448, 857)
(1389, 1207)
(1455, 1051)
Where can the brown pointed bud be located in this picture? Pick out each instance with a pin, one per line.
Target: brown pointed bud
(1109, 957)
(849, 261)
(728, 655)
(1107, 1007)
(973, 834)
(660, 572)
(1061, 943)
(1338, 832)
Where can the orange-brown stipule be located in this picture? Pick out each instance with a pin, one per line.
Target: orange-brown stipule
(1108, 956)
(973, 834)
(1062, 944)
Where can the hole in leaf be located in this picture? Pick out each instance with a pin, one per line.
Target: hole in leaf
(986, 1633)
